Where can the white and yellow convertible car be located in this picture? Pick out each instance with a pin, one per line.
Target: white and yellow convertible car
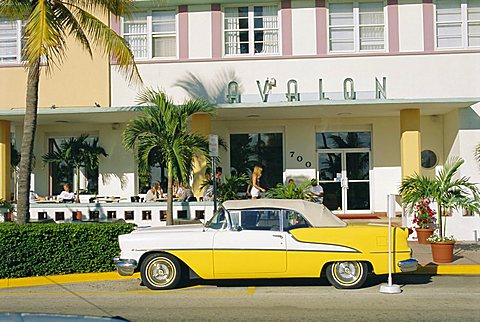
(264, 238)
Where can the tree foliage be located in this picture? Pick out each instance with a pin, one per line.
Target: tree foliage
(162, 127)
(77, 152)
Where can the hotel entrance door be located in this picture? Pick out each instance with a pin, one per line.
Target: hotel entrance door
(344, 175)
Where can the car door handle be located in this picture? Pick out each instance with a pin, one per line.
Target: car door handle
(279, 236)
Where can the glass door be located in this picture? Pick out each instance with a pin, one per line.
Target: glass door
(344, 175)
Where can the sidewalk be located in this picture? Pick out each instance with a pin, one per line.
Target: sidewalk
(466, 259)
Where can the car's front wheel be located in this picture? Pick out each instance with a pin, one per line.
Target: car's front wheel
(161, 271)
(347, 274)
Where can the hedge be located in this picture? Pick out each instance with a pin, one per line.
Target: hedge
(49, 249)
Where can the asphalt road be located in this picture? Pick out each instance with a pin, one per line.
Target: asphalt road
(424, 298)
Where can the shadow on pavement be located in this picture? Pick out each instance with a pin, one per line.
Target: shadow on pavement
(373, 280)
(263, 282)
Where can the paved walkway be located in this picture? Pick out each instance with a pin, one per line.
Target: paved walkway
(466, 259)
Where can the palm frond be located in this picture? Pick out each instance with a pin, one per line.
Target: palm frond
(14, 9)
(45, 36)
(110, 43)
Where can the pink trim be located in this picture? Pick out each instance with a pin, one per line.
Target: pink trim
(115, 23)
(216, 31)
(321, 26)
(286, 12)
(428, 25)
(393, 34)
(278, 57)
(183, 32)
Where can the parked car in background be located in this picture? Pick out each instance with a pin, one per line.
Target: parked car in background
(264, 238)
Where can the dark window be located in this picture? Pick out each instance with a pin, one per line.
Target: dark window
(429, 159)
(93, 215)
(266, 149)
(111, 214)
(182, 214)
(59, 215)
(146, 215)
(260, 219)
(343, 140)
(129, 215)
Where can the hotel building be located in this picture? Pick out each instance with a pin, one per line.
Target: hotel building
(357, 94)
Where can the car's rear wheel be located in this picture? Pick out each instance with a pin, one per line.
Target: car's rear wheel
(161, 271)
(347, 274)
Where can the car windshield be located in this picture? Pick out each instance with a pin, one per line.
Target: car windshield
(218, 220)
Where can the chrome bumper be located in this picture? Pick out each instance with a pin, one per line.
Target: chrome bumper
(125, 267)
(408, 265)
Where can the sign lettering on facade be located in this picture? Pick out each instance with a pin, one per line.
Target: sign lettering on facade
(292, 94)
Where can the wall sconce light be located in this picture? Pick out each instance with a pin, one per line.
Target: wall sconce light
(115, 126)
(272, 82)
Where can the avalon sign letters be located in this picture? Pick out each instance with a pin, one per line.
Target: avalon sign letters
(292, 94)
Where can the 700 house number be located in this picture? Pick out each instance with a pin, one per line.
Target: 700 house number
(299, 158)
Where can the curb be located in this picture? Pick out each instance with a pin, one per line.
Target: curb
(63, 279)
(114, 276)
(433, 269)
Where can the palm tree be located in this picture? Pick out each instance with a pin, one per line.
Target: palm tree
(163, 127)
(448, 192)
(77, 152)
(48, 25)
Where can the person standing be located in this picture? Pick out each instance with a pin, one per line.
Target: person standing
(317, 191)
(255, 184)
(218, 175)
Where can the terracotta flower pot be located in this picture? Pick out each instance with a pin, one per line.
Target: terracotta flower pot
(423, 234)
(442, 252)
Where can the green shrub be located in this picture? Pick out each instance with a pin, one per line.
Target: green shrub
(48, 249)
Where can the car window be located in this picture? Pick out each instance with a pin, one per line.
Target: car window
(260, 219)
(218, 220)
(293, 219)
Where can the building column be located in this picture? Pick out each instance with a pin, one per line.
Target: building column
(5, 160)
(410, 142)
(201, 124)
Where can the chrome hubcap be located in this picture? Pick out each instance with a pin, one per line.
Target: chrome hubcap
(161, 272)
(347, 272)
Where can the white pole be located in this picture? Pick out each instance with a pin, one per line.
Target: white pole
(390, 288)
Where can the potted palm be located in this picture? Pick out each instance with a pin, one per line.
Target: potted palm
(449, 192)
(291, 191)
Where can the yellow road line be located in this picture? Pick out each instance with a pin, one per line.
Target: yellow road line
(148, 292)
(251, 290)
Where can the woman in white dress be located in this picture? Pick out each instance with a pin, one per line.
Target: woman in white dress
(256, 189)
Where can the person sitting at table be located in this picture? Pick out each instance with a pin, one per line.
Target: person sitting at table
(34, 197)
(184, 193)
(154, 193)
(66, 195)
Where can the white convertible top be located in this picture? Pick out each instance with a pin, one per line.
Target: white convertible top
(316, 214)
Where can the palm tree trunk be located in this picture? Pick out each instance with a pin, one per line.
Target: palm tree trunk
(15, 184)
(77, 180)
(170, 194)
(28, 140)
(440, 226)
